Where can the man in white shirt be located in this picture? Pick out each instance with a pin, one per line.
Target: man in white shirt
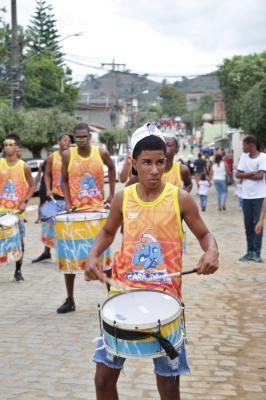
(251, 170)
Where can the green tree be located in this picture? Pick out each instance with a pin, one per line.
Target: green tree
(42, 32)
(237, 76)
(206, 102)
(8, 120)
(254, 111)
(37, 128)
(153, 113)
(47, 83)
(173, 101)
(113, 138)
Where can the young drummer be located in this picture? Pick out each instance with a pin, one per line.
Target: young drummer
(16, 188)
(83, 187)
(52, 179)
(151, 214)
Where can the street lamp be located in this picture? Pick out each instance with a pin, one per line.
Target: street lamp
(71, 35)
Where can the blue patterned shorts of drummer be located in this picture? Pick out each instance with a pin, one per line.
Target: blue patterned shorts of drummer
(163, 366)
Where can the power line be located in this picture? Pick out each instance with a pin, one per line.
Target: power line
(151, 74)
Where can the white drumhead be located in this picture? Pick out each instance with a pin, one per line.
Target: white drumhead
(8, 220)
(88, 216)
(141, 308)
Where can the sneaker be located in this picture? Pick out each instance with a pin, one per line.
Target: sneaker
(42, 257)
(256, 258)
(18, 276)
(246, 257)
(68, 306)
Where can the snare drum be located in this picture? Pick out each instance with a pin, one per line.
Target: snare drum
(75, 234)
(142, 323)
(48, 213)
(10, 243)
(48, 234)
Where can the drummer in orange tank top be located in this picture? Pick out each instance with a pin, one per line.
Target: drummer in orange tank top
(16, 188)
(83, 187)
(52, 179)
(151, 246)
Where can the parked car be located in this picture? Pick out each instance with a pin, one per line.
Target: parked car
(118, 161)
(34, 166)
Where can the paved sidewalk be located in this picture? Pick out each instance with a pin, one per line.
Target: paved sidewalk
(47, 356)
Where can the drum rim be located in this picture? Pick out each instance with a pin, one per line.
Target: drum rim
(143, 326)
(69, 217)
(8, 215)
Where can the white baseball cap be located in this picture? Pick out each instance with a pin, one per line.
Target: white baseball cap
(146, 130)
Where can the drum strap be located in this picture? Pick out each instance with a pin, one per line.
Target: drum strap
(140, 335)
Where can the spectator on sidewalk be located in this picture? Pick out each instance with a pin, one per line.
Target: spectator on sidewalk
(199, 167)
(204, 186)
(251, 169)
(218, 175)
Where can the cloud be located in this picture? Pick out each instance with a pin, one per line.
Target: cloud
(204, 24)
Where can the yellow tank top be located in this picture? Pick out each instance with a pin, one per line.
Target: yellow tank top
(152, 241)
(13, 185)
(86, 179)
(173, 175)
(56, 174)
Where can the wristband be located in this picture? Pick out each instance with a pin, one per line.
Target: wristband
(26, 201)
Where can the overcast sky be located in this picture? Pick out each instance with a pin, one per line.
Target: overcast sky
(162, 37)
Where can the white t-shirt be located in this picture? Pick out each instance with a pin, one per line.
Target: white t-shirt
(253, 189)
(219, 172)
(204, 188)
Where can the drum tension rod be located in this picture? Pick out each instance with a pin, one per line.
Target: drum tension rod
(159, 330)
(116, 345)
(100, 320)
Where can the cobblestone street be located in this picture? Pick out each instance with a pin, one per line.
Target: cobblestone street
(44, 355)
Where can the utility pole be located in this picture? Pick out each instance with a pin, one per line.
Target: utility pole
(15, 67)
(115, 66)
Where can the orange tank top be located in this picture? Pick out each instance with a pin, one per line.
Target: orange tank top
(86, 179)
(56, 174)
(13, 185)
(152, 241)
(173, 175)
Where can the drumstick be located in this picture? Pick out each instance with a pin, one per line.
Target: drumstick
(114, 283)
(53, 199)
(159, 278)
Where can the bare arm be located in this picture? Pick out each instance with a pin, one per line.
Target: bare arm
(111, 173)
(255, 176)
(259, 226)
(31, 190)
(48, 175)
(38, 177)
(64, 183)
(132, 180)
(105, 238)
(126, 169)
(208, 263)
(186, 178)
